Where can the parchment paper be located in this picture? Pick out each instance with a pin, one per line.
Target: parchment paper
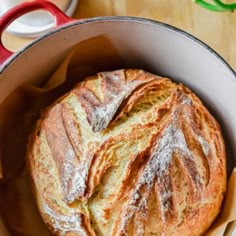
(18, 212)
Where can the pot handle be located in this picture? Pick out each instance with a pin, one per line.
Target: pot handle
(60, 19)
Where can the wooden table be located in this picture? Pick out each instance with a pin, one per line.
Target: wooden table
(218, 30)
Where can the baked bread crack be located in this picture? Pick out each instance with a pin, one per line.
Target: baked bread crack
(127, 152)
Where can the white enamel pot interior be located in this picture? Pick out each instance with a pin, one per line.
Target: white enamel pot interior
(141, 43)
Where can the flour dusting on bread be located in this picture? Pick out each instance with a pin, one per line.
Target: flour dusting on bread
(130, 153)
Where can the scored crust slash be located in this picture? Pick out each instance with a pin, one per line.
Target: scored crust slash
(127, 152)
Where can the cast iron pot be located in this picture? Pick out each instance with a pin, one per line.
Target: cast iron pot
(141, 43)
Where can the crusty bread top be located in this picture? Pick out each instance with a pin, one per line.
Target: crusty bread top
(128, 153)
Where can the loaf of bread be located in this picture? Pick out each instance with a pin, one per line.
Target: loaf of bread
(130, 153)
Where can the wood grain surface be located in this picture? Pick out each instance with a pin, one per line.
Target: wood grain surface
(218, 30)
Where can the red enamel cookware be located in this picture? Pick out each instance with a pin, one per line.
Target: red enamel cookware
(137, 42)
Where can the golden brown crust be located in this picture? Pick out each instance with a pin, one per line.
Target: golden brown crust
(128, 153)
